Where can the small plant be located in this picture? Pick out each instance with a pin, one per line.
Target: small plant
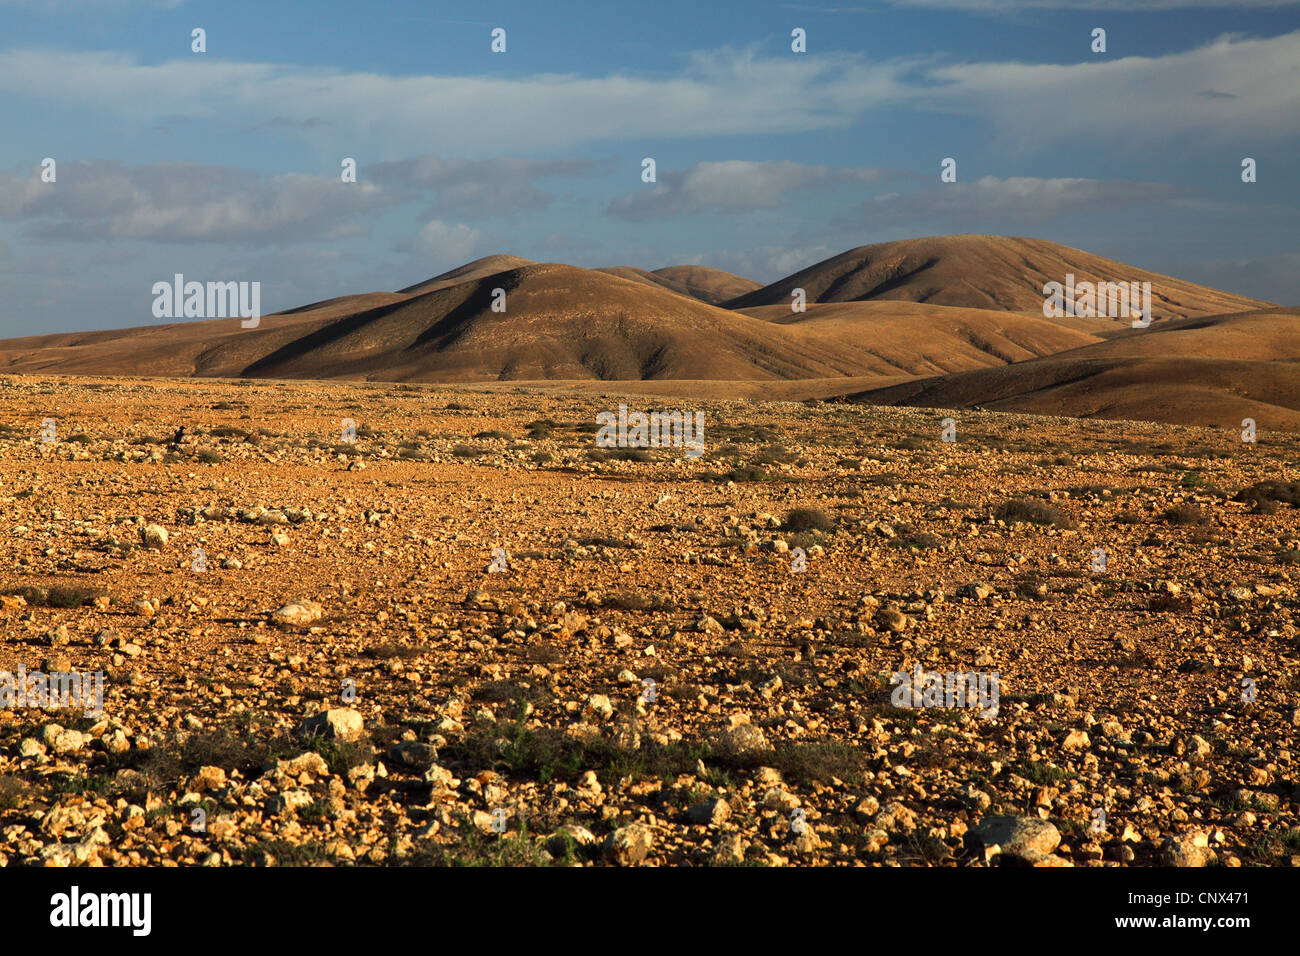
(1030, 511)
(13, 792)
(808, 519)
(1184, 513)
(229, 431)
(59, 596)
(1267, 495)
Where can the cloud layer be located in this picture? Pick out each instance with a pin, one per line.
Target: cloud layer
(730, 186)
(723, 93)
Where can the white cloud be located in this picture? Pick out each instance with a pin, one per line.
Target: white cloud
(480, 187)
(729, 186)
(445, 244)
(1015, 202)
(1112, 102)
(185, 202)
(717, 94)
(1255, 87)
(767, 263)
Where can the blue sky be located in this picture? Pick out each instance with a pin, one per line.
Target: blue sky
(225, 164)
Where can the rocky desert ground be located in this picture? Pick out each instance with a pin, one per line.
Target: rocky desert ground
(471, 636)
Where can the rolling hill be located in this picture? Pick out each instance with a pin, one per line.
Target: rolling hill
(981, 272)
(560, 323)
(698, 282)
(951, 322)
(1205, 371)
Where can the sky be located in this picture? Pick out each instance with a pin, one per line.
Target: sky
(226, 164)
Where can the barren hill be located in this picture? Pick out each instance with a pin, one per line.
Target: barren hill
(560, 322)
(1204, 371)
(889, 338)
(982, 272)
(478, 269)
(890, 327)
(713, 286)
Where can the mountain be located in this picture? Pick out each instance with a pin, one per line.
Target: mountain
(982, 272)
(893, 338)
(1205, 371)
(478, 269)
(560, 323)
(947, 322)
(698, 282)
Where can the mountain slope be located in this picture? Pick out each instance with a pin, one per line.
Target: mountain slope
(1204, 371)
(560, 322)
(713, 286)
(983, 272)
(478, 269)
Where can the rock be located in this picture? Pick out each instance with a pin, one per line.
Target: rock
(710, 813)
(312, 764)
(778, 798)
(143, 608)
(57, 855)
(298, 614)
(598, 707)
(1114, 730)
(69, 742)
(629, 845)
(209, 778)
(805, 841)
(61, 820)
(57, 664)
(710, 626)
(412, 753)
(440, 778)
(342, 723)
(153, 537)
(743, 740)
(223, 827)
(763, 776)
(1023, 839)
(895, 816)
(58, 637)
(568, 835)
(1076, 740)
(730, 850)
(1186, 849)
(866, 808)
